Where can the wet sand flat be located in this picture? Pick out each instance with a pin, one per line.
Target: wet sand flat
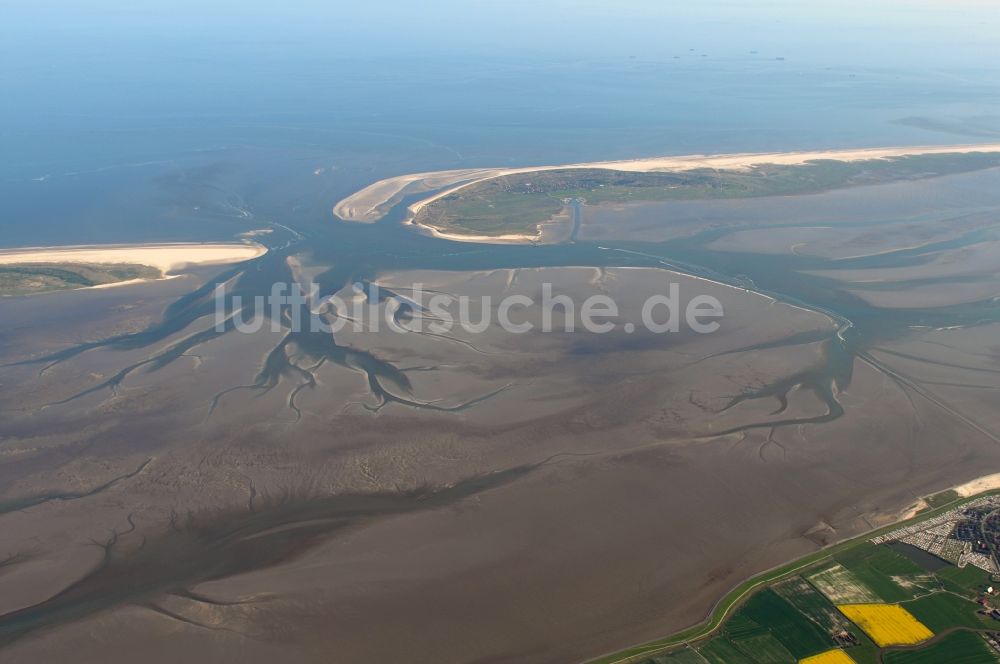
(172, 488)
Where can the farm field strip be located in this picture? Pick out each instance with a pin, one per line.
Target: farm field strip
(887, 624)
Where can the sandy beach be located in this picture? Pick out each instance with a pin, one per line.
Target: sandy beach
(978, 485)
(509, 238)
(966, 490)
(371, 203)
(164, 257)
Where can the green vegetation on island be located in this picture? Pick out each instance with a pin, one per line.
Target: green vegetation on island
(519, 203)
(30, 278)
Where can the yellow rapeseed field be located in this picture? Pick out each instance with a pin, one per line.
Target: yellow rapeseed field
(829, 657)
(887, 624)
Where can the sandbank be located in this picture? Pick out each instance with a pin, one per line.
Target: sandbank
(164, 257)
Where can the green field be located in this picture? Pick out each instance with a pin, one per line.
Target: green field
(686, 656)
(765, 649)
(720, 651)
(795, 631)
(741, 626)
(943, 610)
(811, 604)
(963, 581)
(942, 498)
(876, 567)
(956, 648)
(840, 585)
(519, 203)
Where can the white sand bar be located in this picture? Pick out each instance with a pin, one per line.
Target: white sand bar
(370, 204)
(165, 257)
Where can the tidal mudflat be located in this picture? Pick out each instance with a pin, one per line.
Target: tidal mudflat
(171, 486)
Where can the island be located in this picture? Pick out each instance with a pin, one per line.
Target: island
(541, 204)
(46, 269)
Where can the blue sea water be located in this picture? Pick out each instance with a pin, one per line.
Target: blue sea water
(179, 121)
